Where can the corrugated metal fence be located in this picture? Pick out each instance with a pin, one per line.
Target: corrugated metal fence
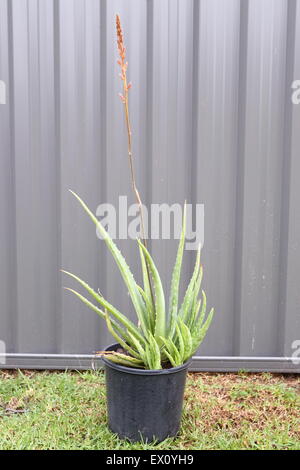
(213, 123)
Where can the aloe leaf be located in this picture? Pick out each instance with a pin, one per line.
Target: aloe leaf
(160, 313)
(193, 307)
(87, 302)
(98, 311)
(122, 265)
(208, 321)
(123, 359)
(206, 324)
(185, 307)
(198, 282)
(150, 310)
(172, 361)
(119, 339)
(188, 341)
(155, 353)
(146, 280)
(118, 315)
(197, 286)
(203, 331)
(171, 348)
(138, 346)
(195, 311)
(174, 290)
(148, 358)
(181, 348)
(200, 318)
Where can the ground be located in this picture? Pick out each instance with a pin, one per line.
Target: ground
(67, 410)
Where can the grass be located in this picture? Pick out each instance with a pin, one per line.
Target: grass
(222, 411)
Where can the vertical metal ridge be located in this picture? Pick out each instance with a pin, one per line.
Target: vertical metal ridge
(193, 165)
(8, 264)
(195, 106)
(286, 173)
(149, 104)
(103, 279)
(11, 104)
(57, 107)
(240, 170)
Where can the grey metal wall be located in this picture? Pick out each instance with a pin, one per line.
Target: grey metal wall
(213, 123)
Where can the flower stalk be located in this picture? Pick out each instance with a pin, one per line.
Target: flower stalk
(124, 98)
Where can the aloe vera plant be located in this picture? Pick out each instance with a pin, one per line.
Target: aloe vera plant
(161, 336)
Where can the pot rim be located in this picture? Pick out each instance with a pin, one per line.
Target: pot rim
(132, 370)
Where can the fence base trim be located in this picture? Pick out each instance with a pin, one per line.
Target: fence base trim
(199, 363)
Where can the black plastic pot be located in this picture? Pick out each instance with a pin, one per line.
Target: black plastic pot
(144, 404)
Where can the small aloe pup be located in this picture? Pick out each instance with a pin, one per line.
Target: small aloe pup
(161, 337)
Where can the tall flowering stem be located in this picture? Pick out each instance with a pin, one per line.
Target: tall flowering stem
(124, 98)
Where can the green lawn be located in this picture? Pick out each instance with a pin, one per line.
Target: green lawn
(222, 411)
